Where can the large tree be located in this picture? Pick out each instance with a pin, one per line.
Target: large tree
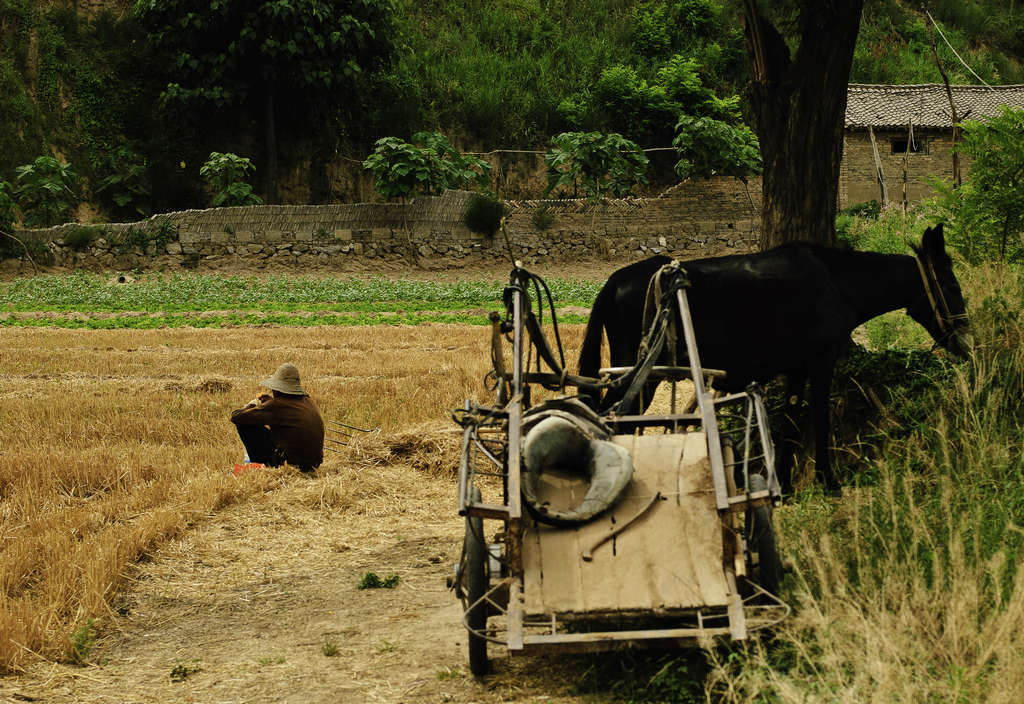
(799, 103)
(304, 55)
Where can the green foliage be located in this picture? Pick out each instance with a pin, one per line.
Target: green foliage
(647, 106)
(707, 146)
(182, 671)
(890, 231)
(225, 174)
(303, 67)
(894, 43)
(542, 217)
(371, 580)
(931, 538)
(484, 213)
(8, 208)
(123, 182)
(82, 641)
(988, 210)
(175, 301)
(645, 677)
(595, 163)
(428, 164)
(45, 191)
(81, 237)
(21, 124)
(221, 51)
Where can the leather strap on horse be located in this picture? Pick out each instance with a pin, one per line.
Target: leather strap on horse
(943, 315)
(661, 330)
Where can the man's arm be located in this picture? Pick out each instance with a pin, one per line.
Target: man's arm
(255, 412)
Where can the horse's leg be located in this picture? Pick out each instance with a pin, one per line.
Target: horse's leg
(791, 423)
(821, 388)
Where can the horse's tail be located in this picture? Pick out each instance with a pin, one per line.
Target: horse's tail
(590, 352)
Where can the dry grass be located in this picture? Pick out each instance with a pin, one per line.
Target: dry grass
(116, 441)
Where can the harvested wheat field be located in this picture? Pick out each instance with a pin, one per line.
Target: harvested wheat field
(138, 568)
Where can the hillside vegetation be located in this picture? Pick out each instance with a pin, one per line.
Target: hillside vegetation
(510, 74)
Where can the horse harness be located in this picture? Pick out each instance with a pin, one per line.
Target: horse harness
(944, 316)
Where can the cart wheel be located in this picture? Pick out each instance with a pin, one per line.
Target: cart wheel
(476, 587)
(762, 539)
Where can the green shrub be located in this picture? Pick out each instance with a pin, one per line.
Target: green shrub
(598, 164)
(371, 580)
(428, 164)
(225, 174)
(81, 237)
(484, 214)
(45, 191)
(123, 183)
(542, 217)
(82, 641)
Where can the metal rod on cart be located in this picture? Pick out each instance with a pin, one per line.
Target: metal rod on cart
(746, 445)
(515, 407)
(706, 404)
(513, 527)
(766, 442)
(464, 465)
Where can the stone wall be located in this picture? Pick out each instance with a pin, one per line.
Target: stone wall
(691, 219)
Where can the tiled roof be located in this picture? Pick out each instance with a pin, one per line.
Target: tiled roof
(926, 105)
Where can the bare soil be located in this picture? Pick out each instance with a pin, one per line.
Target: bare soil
(261, 603)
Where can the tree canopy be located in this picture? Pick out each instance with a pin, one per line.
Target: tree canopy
(308, 54)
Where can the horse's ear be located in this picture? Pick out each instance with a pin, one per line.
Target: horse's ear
(933, 241)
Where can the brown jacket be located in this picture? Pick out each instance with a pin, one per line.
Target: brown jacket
(295, 424)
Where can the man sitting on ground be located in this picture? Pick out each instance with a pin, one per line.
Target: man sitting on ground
(284, 427)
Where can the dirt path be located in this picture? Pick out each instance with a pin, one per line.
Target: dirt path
(259, 603)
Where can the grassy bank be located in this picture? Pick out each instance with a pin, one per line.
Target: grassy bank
(908, 589)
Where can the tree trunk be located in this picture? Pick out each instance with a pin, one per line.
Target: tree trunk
(270, 137)
(799, 112)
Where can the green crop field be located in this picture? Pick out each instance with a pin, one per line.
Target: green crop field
(84, 300)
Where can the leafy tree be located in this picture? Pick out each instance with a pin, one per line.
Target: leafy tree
(707, 146)
(307, 54)
(598, 164)
(226, 174)
(45, 191)
(989, 208)
(428, 164)
(647, 108)
(799, 104)
(124, 184)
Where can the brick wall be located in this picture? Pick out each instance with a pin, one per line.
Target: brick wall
(690, 219)
(857, 181)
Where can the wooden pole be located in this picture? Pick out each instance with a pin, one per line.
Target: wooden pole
(952, 107)
(879, 173)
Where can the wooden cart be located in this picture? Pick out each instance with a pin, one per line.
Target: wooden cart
(686, 554)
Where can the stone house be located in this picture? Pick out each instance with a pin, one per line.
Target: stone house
(906, 132)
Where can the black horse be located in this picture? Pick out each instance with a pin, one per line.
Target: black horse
(785, 311)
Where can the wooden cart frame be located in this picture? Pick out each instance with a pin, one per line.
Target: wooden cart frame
(679, 560)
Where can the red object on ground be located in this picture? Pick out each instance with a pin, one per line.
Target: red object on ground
(241, 468)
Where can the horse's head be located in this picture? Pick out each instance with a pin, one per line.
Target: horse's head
(940, 309)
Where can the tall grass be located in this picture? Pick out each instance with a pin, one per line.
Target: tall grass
(908, 589)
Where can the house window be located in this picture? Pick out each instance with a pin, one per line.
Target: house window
(917, 146)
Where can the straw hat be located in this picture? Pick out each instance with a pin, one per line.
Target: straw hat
(285, 380)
